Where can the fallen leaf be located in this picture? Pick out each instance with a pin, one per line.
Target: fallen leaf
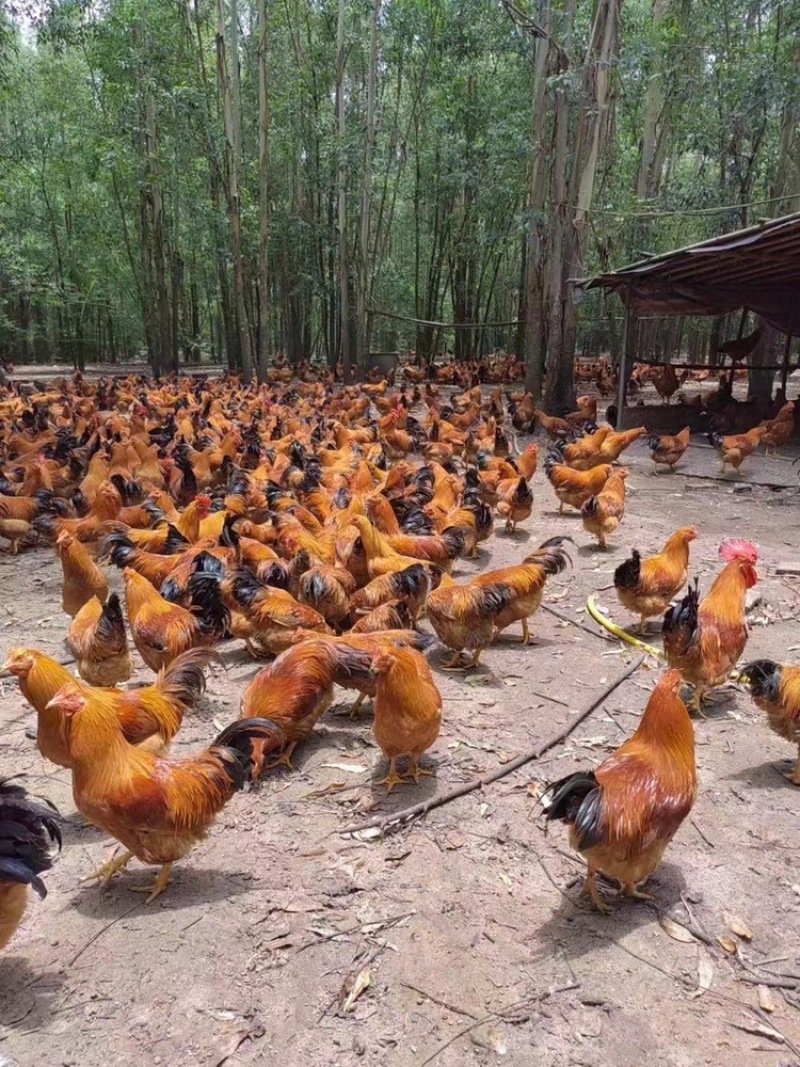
(348, 768)
(727, 943)
(765, 999)
(737, 925)
(361, 982)
(705, 976)
(369, 834)
(675, 930)
(509, 682)
(232, 1046)
(334, 787)
(478, 679)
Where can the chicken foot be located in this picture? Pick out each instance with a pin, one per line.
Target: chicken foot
(285, 758)
(590, 888)
(354, 711)
(158, 887)
(106, 872)
(457, 664)
(793, 776)
(392, 778)
(418, 772)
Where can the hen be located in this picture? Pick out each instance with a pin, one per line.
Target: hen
(646, 587)
(30, 837)
(572, 487)
(469, 617)
(603, 512)
(408, 710)
(775, 688)
(623, 814)
(666, 451)
(99, 643)
(734, 450)
(704, 639)
(157, 808)
(514, 501)
(83, 579)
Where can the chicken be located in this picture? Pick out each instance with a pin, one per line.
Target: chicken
(393, 615)
(30, 837)
(779, 429)
(294, 691)
(514, 501)
(733, 451)
(553, 427)
(666, 382)
(83, 579)
(614, 444)
(411, 586)
(666, 451)
(622, 815)
(703, 640)
(602, 513)
(408, 710)
(161, 631)
(149, 717)
(776, 690)
(469, 617)
(585, 453)
(15, 531)
(157, 808)
(98, 641)
(572, 487)
(646, 587)
(327, 590)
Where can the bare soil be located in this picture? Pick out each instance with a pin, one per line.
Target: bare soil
(469, 925)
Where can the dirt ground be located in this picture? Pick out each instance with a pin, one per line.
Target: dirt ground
(469, 925)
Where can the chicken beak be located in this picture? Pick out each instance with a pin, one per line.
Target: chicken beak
(5, 670)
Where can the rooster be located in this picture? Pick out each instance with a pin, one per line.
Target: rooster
(469, 617)
(776, 690)
(646, 587)
(30, 837)
(704, 639)
(157, 808)
(623, 814)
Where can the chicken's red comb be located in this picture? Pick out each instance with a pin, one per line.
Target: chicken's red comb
(204, 501)
(738, 549)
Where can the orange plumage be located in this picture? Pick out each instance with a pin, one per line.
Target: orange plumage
(573, 487)
(646, 586)
(158, 808)
(83, 579)
(623, 815)
(666, 450)
(776, 690)
(98, 641)
(704, 639)
(602, 513)
(735, 449)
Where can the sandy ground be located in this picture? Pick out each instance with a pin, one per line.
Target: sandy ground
(469, 925)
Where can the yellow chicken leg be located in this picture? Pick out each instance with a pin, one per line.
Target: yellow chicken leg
(630, 890)
(418, 772)
(392, 778)
(285, 758)
(593, 892)
(158, 887)
(353, 713)
(106, 872)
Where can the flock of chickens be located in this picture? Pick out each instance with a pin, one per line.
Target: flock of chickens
(318, 526)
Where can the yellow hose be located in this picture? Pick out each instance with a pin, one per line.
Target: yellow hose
(617, 631)
(623, 635)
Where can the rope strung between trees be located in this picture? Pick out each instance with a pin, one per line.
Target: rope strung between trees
(445, 325)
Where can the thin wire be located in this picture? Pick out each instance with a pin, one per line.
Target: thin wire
(691, 211)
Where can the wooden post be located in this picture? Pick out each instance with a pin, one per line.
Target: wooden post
(785, 368)
(623, 368)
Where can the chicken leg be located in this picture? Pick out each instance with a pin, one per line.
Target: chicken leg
(285, 758)
(353, 713)
(418, 772)
(392, 778)
(158, 887)
(629, 890)
(794, 775)
(593, 892)
(106, 872)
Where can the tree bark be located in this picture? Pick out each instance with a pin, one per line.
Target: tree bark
(365, 265)
(341, 182)
(263, 195)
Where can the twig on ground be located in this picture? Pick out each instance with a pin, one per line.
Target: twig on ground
(700, 832)
(102, 930)
(527, 1001)
(574, 622)
(404, 817)
(439, 1001)
(384, 924)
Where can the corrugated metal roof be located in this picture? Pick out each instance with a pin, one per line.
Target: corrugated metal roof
(757, 268)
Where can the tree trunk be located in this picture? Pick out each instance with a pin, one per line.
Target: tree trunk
(161, 323)
(363, 323)
(341, 182)
(229, 81)
(648, 178)
(263, 195)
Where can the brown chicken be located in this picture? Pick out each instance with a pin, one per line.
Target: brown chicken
(514, 501)
(775, 688)
(704, 639)
(98, 641)
(30, 837)
(734, 450)
(666, 451)
(469, 617)
(83, 579)
(149, 717)
(622, 815)
(16, 531)
(614, 444)
(161, 630)
(408, 711)
(294, 691)
(602, 514)
(586, 453)
(647, 586)
(411, 586)
(157, 808)
(779, 429)
(572, 487)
